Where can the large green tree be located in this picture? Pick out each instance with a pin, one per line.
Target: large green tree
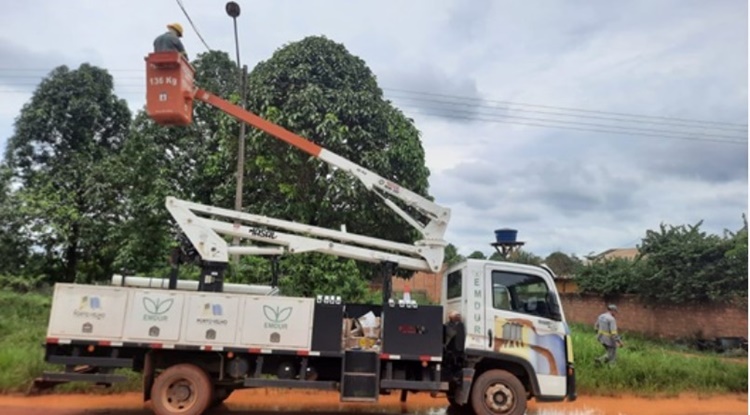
(319, 90)
(14, 243)
(62, 157)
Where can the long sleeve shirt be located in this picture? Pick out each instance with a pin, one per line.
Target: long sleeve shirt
(169, 42)
(606, 330)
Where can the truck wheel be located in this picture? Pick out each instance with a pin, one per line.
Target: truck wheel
(183, 389)
(498, 392)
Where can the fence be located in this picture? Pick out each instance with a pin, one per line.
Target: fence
(666, 321)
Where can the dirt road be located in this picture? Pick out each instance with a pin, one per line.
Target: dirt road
(263, 402)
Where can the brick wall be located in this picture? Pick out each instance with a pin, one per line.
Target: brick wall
(672, 322)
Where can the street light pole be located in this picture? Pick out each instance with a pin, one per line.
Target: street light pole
(233, 10)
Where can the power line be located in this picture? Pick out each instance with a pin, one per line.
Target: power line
(456, 97)
(498, 117)
(495, 120)
(586, 124)
(472, 101)
(561, 114)
(179, 3)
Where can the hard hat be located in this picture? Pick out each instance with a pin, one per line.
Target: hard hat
(176, 27)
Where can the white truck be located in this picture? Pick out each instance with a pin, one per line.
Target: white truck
(497, 339)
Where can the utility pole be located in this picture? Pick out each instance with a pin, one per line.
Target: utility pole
(233, 10)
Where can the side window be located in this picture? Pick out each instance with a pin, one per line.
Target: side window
(500, 297)
(522, 293)
(454, 285)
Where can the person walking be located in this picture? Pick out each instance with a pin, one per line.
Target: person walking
(170, 41)
(606, 334)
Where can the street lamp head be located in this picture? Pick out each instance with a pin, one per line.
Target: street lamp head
(233, 9)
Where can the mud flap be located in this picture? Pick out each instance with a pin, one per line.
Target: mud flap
(148, 375)
(571, 383)
(462, 394)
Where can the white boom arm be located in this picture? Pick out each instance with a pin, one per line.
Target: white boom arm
(205, 234)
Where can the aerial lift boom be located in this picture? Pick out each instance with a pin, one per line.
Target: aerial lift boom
(170, 99)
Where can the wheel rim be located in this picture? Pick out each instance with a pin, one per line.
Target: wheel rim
(499, 398)
(180, 395)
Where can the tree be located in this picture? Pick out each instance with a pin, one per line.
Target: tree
(477, 255)
(562, 264)
(317, 89)
(14, 245)
(689, 265)
(320, 91)
(610, 278)
(61, 156)
(451, 256)
(497, 256)
(523, 257)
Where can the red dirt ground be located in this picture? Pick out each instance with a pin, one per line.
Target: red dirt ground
(261, 402)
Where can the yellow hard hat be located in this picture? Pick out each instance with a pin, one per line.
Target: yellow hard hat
(177, 28)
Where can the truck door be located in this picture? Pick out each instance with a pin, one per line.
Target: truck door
(523, 321)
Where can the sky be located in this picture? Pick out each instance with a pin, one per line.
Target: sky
(473, 75)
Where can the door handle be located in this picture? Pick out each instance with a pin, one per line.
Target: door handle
(489, 336)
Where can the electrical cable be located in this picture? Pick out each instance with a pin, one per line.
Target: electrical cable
(179, 3)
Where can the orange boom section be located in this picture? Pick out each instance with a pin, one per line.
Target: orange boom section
(169, 88)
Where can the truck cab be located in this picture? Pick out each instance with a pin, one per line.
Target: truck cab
(516, 335)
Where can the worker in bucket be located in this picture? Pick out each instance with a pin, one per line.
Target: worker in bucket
(606, 333)
(170, 41)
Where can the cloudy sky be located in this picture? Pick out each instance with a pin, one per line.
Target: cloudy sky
(474, 75)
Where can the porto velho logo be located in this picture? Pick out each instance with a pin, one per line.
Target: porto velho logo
(276, 317)
(212, 310)
(89, 307)
(89, 303)
(156, 308)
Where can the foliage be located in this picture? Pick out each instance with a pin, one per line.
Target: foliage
(688, 265)
(497, 256)
(609, 278)
(21, 284)
(562, 264)
(676, 264)
(451, 256)
(15, 249)
(477, 255)
(317, 89)
(194, 163)
(62, 159)
(524, 257)
(307, 275)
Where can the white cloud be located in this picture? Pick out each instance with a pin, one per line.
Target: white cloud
(563, 189)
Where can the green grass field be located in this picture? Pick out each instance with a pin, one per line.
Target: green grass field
(644, 367)
(648, 367)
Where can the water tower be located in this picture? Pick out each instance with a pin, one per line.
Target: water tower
(506, 242)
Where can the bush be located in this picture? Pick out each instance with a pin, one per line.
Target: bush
(610, 277)
(22, 284)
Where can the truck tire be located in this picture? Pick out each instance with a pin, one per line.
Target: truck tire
(183, 389)
(498, 392)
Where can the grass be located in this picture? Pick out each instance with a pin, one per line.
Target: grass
(23, 326)
(653, 368)
(644, 367)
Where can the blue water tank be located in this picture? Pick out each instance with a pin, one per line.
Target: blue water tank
(506, 235)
